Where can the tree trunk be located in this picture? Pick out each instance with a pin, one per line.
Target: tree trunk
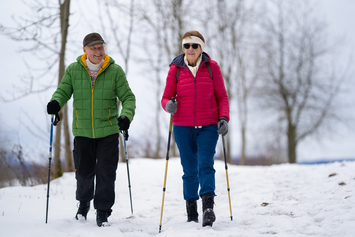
(122, 151)
(175, 151)
(122, 155)
(229, 155)
(158, 145)
(64, 24)
(242, 152)
(57, 164)
(67, 141)
(292, 143)
(67, 145)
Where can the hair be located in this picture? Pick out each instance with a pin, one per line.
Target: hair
(193, 33)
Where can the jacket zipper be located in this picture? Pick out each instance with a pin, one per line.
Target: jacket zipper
(195, 101)
(195, 111)
(195, 116)
(92, 109)
(92, 99)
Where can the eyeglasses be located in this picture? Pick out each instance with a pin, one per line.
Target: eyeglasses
(187, 46)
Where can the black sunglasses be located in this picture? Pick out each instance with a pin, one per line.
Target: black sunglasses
(187, 46)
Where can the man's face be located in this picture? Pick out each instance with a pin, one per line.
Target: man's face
(95, 53)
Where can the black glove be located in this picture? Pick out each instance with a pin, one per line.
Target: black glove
(123, 123)
(222, 126)
(171, 106)
(53, 107)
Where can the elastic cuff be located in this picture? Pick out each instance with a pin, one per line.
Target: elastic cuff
(223, 118)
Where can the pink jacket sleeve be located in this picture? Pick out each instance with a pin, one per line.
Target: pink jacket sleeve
(220, 91)
(170, 86)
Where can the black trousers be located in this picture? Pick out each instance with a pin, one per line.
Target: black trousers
(96, 158)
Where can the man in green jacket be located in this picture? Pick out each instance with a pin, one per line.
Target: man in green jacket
(96, 83)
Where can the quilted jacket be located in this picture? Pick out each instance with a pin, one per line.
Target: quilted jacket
(201, 100)
(95, 107)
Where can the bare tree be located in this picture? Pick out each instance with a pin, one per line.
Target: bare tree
(46, 40)
(165, 19)
(122, 36)
(64, 26)
(296, 85)
(237, 59)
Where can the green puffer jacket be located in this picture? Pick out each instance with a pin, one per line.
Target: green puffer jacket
(95, 108)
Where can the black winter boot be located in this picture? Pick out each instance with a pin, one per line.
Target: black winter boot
(83, 210)
(191, 209)
(101, 217)
(207, 208)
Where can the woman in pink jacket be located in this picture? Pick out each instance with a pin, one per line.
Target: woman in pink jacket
(200, 114)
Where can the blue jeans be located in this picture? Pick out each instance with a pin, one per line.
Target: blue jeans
(197, 147)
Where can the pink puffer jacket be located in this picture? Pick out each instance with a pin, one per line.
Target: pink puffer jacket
(200, 101)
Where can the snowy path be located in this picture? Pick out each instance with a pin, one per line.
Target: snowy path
(300, 200)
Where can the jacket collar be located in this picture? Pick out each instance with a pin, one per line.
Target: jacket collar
(179, 60)
(107, 60)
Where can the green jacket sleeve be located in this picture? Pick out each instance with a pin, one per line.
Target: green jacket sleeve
(126, 96)
(64, 90)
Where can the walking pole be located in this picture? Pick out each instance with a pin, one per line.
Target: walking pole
(49, 165)
(166, 168)
(125, 137)
(226, 167)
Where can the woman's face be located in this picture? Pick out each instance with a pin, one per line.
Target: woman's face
(192, 54)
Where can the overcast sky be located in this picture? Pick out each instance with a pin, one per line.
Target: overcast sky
(14, 117)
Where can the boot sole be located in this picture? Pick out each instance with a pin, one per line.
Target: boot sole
(80, 217)
(208, 224)
(208, 218)
(104, 224)
(196, 221)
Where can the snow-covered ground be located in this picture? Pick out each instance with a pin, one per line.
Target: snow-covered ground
(279, 200)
